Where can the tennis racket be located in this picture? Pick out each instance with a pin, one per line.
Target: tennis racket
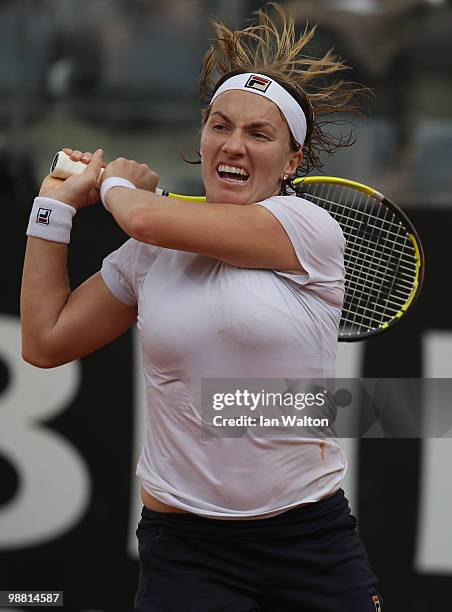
(384, 260)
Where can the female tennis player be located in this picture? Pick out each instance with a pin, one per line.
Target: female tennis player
(249, 285)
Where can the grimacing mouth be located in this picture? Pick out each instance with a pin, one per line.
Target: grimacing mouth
(235, 173)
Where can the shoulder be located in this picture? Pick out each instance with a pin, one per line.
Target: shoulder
(302, 207)
(124, 269)
(305, 214)
(132, 259)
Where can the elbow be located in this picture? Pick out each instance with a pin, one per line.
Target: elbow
(39, 362)
(38, 358)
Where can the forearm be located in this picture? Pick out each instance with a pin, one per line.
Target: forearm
(130, 206)
(45, 291)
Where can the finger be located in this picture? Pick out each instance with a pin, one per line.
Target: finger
(68, 151)
(95, 163)
(76, 155)
(86, 157)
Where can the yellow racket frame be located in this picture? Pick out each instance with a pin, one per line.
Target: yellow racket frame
(305, 181)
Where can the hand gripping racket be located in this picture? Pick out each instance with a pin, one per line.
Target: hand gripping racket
(384, 259)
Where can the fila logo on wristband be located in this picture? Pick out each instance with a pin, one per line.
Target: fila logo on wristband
(39, 225)
(376, 602)
(43, 216)
(258, 82)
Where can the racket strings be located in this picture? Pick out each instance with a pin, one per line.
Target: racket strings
(358, 300)
(334, 209)
(380, 258)
(335, 205)
(373, 304)
(370, 299)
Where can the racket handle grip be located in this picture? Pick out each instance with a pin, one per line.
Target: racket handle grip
(63, 167)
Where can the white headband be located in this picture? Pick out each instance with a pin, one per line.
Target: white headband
(264, 86)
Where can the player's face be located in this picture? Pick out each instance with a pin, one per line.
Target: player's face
(245, 149)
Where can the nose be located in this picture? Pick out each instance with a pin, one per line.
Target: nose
(234, 143)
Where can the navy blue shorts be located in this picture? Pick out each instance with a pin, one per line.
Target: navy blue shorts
(309, 559)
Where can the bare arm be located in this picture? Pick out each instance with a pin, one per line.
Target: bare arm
(244, 236)
(58, 325)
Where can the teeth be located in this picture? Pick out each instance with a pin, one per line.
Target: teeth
(232, 169)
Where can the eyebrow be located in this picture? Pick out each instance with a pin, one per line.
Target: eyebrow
(255, 124)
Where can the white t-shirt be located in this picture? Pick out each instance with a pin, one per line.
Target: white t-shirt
(201, 318)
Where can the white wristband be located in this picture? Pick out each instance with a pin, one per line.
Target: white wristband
(51, 220)
(109, 183)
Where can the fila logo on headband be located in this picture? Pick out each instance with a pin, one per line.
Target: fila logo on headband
(376, 602)
(43, 216)
(258, 82)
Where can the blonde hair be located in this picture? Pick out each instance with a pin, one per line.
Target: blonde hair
(272, 47)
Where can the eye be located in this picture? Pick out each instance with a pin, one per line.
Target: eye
(260, 136)
(219, 127)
